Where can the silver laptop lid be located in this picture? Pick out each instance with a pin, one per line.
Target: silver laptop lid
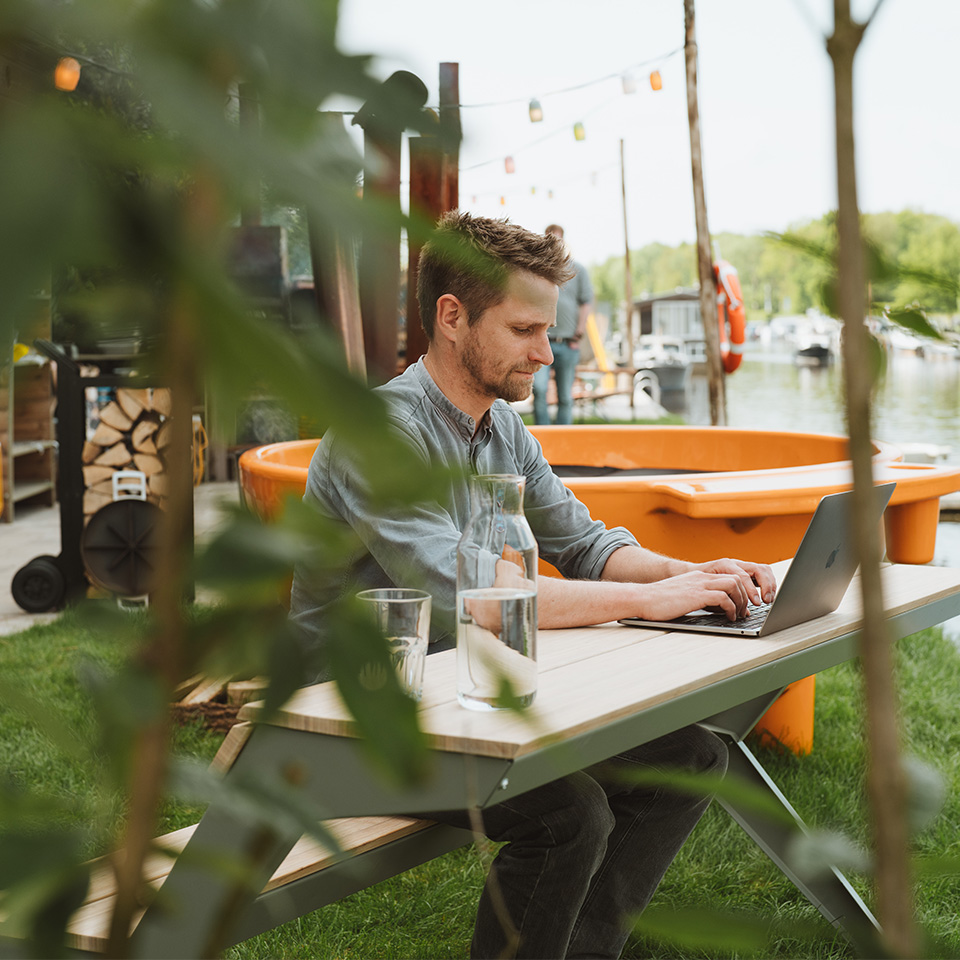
(825, 562)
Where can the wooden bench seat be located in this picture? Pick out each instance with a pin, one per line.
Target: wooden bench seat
(89, 927)
(373, 848)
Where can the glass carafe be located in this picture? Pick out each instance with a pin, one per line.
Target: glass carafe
(496, 598)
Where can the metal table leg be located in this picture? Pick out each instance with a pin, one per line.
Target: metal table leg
(831, 894)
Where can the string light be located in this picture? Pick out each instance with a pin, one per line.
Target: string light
(656, 82)
(66, 76)
(577, 86)
(509, 165)
(579, 133)
(629, 83)
(536, 111)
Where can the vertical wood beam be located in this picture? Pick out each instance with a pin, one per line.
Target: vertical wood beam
(251, 213)
(426, 202)
(708, 289)
(450, 135)
(379, 269)
(334, 264)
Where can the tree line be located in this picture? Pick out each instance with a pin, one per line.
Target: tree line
(779, 278)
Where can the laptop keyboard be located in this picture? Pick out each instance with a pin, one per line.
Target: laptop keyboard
(754, 618)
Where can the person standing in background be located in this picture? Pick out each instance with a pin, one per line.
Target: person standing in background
(573, 309)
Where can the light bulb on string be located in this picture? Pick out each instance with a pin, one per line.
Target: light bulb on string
(593, 179)
(629, 83)
(509, 165)
(533, 191)
(579, 133)
(549, 194)
(536, 111)
(656, 82)
(503, 201)
(66, 76)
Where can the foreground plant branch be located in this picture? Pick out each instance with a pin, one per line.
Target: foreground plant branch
(163, 654)
(886, 781)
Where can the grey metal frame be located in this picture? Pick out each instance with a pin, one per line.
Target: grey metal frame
(331, 774)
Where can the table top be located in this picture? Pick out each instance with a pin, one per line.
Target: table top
(590, 677)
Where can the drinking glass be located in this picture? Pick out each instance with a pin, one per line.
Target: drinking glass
(403, 617)
(496, 598)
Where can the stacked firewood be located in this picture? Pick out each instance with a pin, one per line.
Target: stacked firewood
(133, 433)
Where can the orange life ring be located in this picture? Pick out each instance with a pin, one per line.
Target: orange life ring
(731, 316)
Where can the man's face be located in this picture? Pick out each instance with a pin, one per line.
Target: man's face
(505, 348)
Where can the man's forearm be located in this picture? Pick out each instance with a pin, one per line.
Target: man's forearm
(580, 603)
(639, 565)
(623, 590)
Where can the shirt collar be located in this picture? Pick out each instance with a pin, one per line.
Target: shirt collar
(464, 423)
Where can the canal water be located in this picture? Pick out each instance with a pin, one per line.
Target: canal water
(916, 406)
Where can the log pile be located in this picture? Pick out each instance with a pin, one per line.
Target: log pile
(133, 434)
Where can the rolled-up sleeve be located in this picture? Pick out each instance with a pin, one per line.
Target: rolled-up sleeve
(575, 544)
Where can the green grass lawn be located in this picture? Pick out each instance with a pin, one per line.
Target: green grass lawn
(428, 912)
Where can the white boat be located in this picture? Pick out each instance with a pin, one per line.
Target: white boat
(666, 358)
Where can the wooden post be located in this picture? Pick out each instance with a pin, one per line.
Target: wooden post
(450, 136)
(886, 781)
(426, 190)
(251, 212)
(627, 277)
(379, 269)
(383, 118)
(708, 289)
(334, 266)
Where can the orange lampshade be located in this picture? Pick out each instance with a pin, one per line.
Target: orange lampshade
(656, 82)
(66, 76)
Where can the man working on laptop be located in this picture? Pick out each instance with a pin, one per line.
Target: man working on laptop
(584, 853)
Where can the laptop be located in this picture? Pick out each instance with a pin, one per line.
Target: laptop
(813, 586)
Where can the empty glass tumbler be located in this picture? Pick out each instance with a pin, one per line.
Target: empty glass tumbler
(496, 598)
(403, 617)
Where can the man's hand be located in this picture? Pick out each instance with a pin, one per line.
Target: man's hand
(757, 579)
(676, 596)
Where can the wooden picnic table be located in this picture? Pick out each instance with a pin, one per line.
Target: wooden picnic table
(602, 689)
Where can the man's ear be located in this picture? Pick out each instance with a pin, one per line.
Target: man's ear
(451, 317)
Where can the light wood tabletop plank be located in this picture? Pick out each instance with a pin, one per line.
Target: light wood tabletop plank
(592, 676)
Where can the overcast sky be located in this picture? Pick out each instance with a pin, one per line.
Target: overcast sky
(766, 101)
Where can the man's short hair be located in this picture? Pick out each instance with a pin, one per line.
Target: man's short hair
(472, 258)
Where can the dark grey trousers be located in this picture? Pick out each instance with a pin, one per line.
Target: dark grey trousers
(585, 853)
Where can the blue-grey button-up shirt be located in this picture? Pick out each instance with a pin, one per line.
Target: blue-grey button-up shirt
(418, 547)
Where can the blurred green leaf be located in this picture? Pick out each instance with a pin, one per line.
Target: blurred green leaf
(275, 805)
(812, 854)
(48, 724)
(44, 881)
(937, 866)
(914, 318)
(926, 793)
(705, 929)
(359, 660)
(730, 789)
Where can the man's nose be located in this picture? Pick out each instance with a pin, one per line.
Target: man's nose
(542, 351)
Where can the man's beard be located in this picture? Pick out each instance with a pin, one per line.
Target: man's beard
(494, 383)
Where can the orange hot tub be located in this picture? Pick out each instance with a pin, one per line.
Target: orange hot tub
(698, 492)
